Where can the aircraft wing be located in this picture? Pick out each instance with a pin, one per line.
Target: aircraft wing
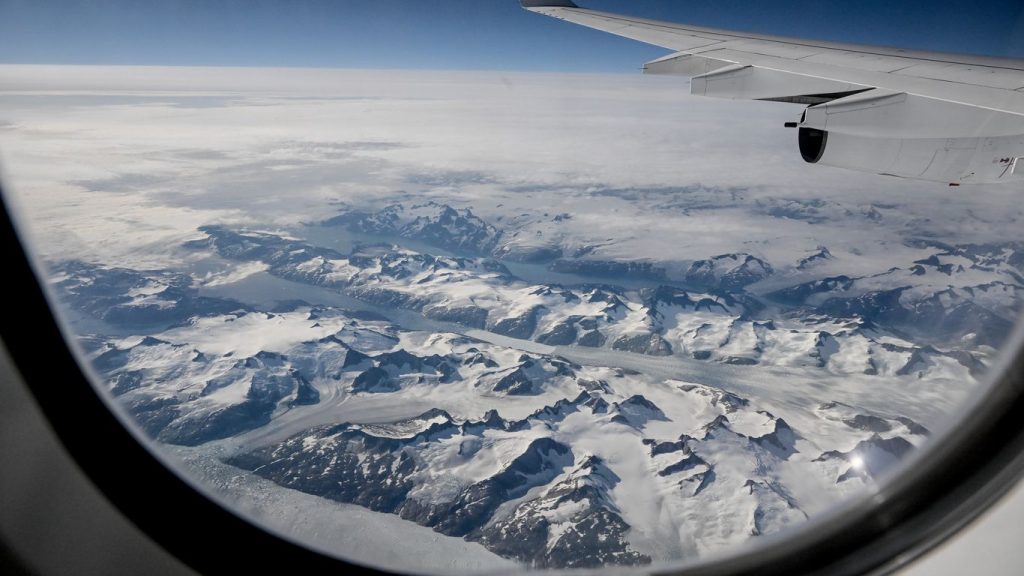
(861, 91)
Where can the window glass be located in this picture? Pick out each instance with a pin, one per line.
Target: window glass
(458, 320)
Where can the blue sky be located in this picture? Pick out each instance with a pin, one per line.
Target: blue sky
(461, 34)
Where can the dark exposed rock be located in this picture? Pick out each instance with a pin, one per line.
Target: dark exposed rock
(592, 339)
(729, 272)
(702, 480)
(781, 442)
(516, 383)
(599, 386)
(729, 401)
(667, 296)
(164, 298)
(610, 269)
(740, 361)
(636, 411)
(871, 457)
(480, 358)
(521, 327)
(868, 423)
(797, 295)
(598, 405)
(595, 536)
(720, 422)
(649, 344)
(914, 427)
(431, 223)
(375, 380)
(126, 382)
(817, 257)
(469, 316)
(658, 448)
(561, 334)
(153, 414)
(689, 462)
(354, 358)
(305, 393)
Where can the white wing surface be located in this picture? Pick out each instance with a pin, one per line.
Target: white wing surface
(932, 116)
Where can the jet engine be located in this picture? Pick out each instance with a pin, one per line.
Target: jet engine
(913, 137)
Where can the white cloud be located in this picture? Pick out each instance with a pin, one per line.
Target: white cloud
(112, 161)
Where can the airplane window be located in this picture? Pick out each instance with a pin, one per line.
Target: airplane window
(430, 311)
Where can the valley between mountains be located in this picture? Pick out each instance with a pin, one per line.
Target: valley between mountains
(632, 412)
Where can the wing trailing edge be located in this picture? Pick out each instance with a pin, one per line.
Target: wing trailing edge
(548, 4)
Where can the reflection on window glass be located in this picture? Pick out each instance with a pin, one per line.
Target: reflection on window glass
(455, 321)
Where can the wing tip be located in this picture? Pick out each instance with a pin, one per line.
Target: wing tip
(548, 4)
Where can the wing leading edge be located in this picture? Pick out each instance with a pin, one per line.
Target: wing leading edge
(920, 103)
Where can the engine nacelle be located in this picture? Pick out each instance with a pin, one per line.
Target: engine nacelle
(914, 137)
(953, 160)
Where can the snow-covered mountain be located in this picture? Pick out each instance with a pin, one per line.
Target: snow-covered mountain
(558, 425)
(863, 334)
(557, 487)
(540, 458)
(430, 222)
